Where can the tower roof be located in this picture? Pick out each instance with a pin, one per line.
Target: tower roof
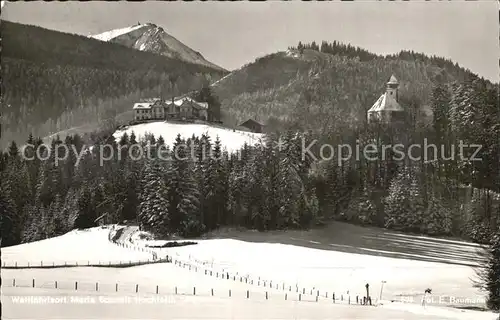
(386, 102)
(393, 80)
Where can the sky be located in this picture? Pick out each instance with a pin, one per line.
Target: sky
(231, 34)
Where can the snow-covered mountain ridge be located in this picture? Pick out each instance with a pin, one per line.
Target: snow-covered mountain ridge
(152, 38)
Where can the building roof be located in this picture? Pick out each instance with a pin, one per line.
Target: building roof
(143, 105)
(180, 100)
(386, 102)
(392, 80)
(251, 121)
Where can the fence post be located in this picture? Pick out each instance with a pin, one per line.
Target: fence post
(117, 287)
(357, 301)
(248, 294)
(194, 291)
(175, 290)
(97, 286)
(341, 297)
(229, 292)
(156, 289)
(266, 295)
(41, 263)
(33, 283)
(304, 290)
(212, 292)
(285, 296)
(333, 297)
(55, 284)
(349, 299)
(13, 282)
(300, 297)
(16, 264)
(136, 288)
(76, 285)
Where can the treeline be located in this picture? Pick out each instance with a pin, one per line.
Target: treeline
(259, 188)
(337, 48)
(348, 50)
(54, 81)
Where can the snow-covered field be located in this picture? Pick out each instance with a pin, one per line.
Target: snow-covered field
(77, 246)
(333, 271)
(110, 306)
(231, 140)
(324, 270)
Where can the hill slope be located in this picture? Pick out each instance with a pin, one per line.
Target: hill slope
(53, 81)
(314, 87)
(152, 38)
(231, 140)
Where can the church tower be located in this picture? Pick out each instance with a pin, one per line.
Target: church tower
(392, 87)
(387, 109)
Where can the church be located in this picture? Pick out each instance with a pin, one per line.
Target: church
(387, 109)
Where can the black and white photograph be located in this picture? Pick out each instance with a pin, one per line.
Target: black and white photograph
(270, 160)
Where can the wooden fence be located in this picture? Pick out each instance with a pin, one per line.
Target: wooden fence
(182, 290)
(252, 280)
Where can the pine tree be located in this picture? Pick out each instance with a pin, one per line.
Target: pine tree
(397, 203)
(153, 208)
(133, 138)
(489, 273)
(10, 224)
(124, 140)
(183, 193)
(476, 224)
(438, 217)
(362, 208)
(13, 150)
(86, 212)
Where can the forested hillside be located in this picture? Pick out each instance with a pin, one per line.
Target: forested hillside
(329, 79)
(53, 81)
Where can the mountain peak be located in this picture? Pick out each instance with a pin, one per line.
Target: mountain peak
(152, 38)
